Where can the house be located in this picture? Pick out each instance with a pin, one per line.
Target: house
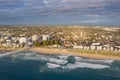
(67, 45)
(96, 46)
(7, 37)
(86, 47)
(93, 47)
(1, 41)
(108, 47)
(99, 47)
(4, 44)
(77, 47)
(8, 43)
(14, 38)
(117, 48)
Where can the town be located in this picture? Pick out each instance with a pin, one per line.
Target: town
(61, 37)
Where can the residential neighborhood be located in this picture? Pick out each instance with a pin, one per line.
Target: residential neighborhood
(63, 37)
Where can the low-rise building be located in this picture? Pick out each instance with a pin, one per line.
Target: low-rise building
(8, 43)
(78, 47)
(35, 37)
(23, 40)
(45, 37)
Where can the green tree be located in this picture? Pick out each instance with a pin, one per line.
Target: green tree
(37, 44)
(45, 43)
(51, 42)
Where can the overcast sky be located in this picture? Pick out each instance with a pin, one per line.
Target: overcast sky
(84, 12)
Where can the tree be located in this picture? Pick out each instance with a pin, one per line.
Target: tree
(45, 43)
(37, 44)
(51, 42)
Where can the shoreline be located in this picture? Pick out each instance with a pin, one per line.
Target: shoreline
(66, 52)
(7, 50)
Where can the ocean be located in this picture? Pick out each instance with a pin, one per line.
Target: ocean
(26, 65)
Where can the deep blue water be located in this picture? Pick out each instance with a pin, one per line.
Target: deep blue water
(31, 66)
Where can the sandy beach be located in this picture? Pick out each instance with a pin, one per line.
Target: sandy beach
(64, 51)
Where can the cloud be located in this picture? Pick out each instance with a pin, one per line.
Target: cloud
(46, 2)
(68, 7)
(93, 9)
(89, 21)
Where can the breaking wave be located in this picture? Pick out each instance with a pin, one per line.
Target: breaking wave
(85, 65)
(80, 59)
(9, 53)
(64, 57)
(51, 65)
(57, 61)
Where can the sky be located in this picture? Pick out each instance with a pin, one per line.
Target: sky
(82, 12)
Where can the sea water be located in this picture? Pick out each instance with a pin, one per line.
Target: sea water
(26, 65)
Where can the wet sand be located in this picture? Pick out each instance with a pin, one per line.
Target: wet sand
(5, 51)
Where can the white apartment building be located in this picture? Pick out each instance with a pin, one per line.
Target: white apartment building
(35, 38)
(23, 40)
(45, 37)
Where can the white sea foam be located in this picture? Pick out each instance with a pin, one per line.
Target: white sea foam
(85, 65)
(51, 65)
(101, 61)
(9, 53)
(79, 59)
(57, 61)
(37, 57)
(64, 57)
(45, 58)
(29, 54)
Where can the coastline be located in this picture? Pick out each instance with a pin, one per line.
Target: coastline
(7, 50)
(66, 52)
(4, 52)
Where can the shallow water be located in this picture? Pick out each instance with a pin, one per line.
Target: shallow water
(27, 65)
